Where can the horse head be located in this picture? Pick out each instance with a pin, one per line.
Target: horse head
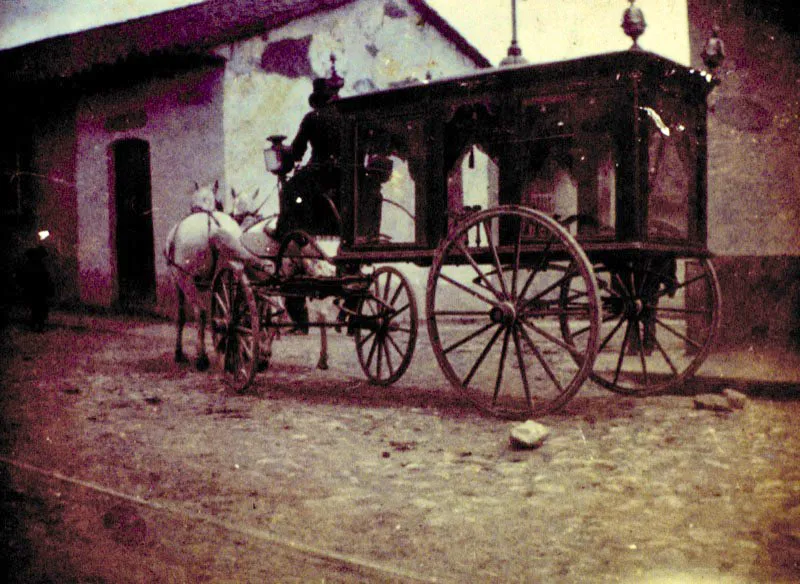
(247, 209)
(204, 199)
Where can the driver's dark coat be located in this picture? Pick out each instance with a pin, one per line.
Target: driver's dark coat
(311, 197)
(322, 129)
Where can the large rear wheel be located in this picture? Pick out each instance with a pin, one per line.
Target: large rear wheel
(493, 309)
(660, 319)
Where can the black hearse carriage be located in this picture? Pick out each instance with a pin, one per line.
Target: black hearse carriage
(560, 210)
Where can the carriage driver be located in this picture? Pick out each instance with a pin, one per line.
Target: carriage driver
(310, 199)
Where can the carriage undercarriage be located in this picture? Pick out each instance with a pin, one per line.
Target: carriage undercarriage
(586, 258)
(533, 321)
(378, 309)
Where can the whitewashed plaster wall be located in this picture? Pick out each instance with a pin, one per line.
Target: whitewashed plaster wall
(184, 131)
(367, 43)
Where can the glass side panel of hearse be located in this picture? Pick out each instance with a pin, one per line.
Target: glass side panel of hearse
(671, 131)
(389, 180)
(555, 153)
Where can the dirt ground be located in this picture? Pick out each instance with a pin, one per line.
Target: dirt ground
(120, 466)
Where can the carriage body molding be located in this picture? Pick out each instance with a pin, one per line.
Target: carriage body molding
(613, 146)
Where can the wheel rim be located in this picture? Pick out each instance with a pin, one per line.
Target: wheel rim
(235, 328)
(660, 319)
(388, 320)
(493, 321)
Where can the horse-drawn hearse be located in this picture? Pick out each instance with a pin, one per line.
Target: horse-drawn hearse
(560, 210)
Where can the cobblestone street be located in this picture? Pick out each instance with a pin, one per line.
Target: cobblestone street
(121, 466)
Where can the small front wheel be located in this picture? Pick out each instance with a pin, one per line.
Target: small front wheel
(386, 326)
(235, 327)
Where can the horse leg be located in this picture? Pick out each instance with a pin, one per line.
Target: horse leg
(203, 361)
(180, 356)
(323, 347)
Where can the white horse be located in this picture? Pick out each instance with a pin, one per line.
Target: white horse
(192, 250)
(200, 240)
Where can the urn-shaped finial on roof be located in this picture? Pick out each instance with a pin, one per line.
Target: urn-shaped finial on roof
(633, 23)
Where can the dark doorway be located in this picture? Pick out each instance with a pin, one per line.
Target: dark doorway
(134, 230)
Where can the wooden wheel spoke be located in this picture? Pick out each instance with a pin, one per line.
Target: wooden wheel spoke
(523, 371)
(399, 311)
(500, 366)
(622, 352)
(468, 338)
(557, 284)
(545, 365)
(222, 303)
(459, 313)
(674, 310)
(362, 341)
(396, 294)
(246, 349)
(379, 344)
(646, 273)
(481, 357)
(469, 291)
(553, 310)
(481, 276)
(612, 333)
(677, 286)
(622, 287)
(586, 329)
(665, 355)
(243, 330)
(387, 285)
(572, 299)
(640, 343)
(388, 357)
(372, 351)
(553, 339)
(394, 344)
(496, 258)
(678, 334)
(542, 262)
(400, 329)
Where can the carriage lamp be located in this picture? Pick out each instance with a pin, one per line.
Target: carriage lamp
(633, 23)
(43, 234)
(274, 157)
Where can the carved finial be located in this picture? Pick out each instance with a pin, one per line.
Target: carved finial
(633, 23)
(714, 51)
(335, 81)
(514, 56)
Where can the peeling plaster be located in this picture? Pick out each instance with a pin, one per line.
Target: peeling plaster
(392, 10)
(288, 57)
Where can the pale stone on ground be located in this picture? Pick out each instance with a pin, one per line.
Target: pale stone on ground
(529, 435)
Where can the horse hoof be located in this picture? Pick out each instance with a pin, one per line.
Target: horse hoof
(181, 358)
(203, 363)
(322, 366)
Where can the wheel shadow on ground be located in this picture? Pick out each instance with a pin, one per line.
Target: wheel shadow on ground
(307, 385)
